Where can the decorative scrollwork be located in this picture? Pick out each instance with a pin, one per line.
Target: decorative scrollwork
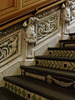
(8, 47)
(46, 26)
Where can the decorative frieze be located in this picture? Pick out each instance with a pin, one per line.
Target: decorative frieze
(62, 53)
(63, 65)
(10, 47)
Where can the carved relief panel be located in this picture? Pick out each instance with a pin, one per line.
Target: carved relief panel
(7, 6)
(10, 47)
(47, 26)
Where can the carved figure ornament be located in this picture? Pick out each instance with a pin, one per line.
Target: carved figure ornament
(71, 4)
(65, 14)
(30, 30)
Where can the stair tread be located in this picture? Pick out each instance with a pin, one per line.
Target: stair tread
(61, 48)
(42, 88)
(5, 94)
(43, 70)
(48, 57)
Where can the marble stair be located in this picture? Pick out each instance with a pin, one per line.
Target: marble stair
(52, 77)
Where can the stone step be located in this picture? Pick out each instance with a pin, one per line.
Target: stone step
(62, 63)
(5, 94)
(62, 52)
(40, 73)
(67, 43)
(37, 90)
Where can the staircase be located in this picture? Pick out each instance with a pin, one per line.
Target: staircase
(52, 77)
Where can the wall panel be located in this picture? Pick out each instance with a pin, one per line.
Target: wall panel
(7, 6)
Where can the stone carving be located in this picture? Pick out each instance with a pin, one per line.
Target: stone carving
(36, 28)
(30, 35)
(13, 44)
(73, 10)
(65, 16)
(61, 83)
(30, 31)
(71, 5)
(47, 26)
(9, 47)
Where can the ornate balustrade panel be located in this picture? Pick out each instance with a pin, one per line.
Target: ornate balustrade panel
(40, 27)
(43, 25)
(10, 47)
(47, 26)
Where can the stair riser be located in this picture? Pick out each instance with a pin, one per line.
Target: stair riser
(67, 44)
(62, 53)
(63, 81)
(28, 95)
(33, 75)
(63, 65)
